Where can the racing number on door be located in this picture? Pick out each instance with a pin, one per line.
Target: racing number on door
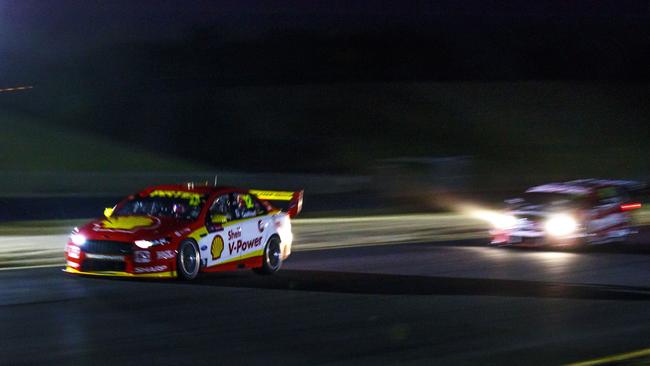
(248, 200)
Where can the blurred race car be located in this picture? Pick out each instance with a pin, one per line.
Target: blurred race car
(586, 211)
(181, 230)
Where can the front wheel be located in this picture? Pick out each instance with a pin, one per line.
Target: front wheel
(188, 260)
(272, 258)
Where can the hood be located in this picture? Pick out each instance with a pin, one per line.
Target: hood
(541, 206)
(131, 228)
(539, 211)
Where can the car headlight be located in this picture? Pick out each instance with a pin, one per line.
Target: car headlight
(144, 244)
(77, 239)
(561, 225)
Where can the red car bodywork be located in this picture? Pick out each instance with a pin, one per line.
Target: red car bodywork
(603, 214)
(110, 241)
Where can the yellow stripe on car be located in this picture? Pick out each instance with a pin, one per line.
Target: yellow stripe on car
(198, 233)
(168, 274)
(272, 195)
(256, 253)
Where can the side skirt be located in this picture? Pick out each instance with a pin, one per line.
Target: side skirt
(253, 262)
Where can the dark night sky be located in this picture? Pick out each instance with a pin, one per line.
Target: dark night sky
(38, 31)
(164, 65)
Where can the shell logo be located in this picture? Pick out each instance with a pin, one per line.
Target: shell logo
(125, 223)
(217, 247)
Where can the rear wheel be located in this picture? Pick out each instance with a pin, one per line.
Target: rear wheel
(272, 258)
(188, 260)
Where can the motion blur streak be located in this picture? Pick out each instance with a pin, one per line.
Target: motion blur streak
(16, 88)
(309, 234)
(632, 357)
(498, 220)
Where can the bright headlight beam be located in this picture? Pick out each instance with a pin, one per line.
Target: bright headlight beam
(499, 220)
(561, 225)
(144, 244)
(503, 221)
(78, 239)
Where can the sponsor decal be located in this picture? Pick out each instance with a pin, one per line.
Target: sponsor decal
(165, 254)
(150, 269)
(105, 257)
(73, 251)
(141, 256)
(242, 246)
(260, 226)
(193, 198)
(272, 195)
(234, 234)
(126, 223)
(217, 247)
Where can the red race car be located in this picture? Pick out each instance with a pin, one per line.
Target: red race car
(585, 211)
(181, 230)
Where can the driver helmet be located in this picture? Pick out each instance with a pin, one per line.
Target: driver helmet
(179, 209)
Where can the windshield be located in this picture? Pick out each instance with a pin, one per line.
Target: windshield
(162, 207)
(552, 198)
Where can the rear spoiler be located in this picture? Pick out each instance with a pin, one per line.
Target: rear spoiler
(294, 198)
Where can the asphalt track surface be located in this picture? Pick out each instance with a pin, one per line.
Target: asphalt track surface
(427, 303)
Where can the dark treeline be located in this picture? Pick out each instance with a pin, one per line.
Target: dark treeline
(305, 100)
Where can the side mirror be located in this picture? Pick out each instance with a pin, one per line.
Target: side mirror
(108, 211)
(218, 219)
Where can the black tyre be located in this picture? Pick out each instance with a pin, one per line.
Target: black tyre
(188, 260)
(272, 258)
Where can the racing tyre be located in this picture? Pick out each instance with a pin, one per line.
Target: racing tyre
(272, 258)
(188, 260)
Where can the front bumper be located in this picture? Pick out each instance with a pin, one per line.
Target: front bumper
(120, 260)
(533, 238)
(168, 274)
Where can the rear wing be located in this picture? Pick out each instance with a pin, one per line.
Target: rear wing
(294, 198)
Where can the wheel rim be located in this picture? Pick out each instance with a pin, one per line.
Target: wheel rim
(189, 260)
(273, 254)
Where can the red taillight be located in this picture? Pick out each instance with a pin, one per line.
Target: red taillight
(630, 206)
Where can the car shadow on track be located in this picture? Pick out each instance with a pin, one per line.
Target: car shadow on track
(390, 284)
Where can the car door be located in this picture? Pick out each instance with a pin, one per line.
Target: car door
(247, 234)
(220, 222)
(238, 227)
(606, 215)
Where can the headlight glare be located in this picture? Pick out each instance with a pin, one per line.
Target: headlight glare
(503, 221)
(561, 225)
(144, 244)
(77, 239)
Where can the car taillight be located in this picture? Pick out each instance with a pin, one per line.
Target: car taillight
(630, 206)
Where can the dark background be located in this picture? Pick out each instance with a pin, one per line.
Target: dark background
(332, 86)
